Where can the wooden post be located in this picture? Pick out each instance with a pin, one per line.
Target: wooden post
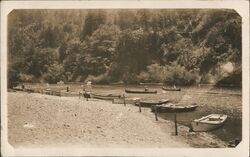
(175, 125)
(139, 107)
(87, 97)
(156, 118)
(124, 101)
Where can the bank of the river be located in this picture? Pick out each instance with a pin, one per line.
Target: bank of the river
(209, 99)
(41, 120)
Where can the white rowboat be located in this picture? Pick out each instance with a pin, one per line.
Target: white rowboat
(208, 123)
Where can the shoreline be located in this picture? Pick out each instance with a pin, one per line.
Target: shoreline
(53, 120)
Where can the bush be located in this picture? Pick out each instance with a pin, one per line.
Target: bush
(130, 78)
(173, 74)
(54, 74)
(178, 75)
(26, 78)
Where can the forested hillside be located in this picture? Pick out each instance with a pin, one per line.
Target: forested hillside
(181, 47)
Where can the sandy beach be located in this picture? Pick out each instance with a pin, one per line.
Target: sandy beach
(37, 120)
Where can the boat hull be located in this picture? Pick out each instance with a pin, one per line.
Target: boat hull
(106, 96)
(161, 108)
(171, 89)
(203, 127)
(140, 91)
(103, 98)
(208, 123)
(151, 103)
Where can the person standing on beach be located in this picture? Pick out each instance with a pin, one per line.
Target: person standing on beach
(88, 86)
(86, 90)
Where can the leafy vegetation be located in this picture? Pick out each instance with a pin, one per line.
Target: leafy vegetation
(181, 47)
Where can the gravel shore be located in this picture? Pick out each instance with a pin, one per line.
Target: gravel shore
(41, 120)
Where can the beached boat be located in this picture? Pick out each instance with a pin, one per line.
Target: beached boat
(149, 103)
(171, 89)
(143, 91)
(170, 107)
(208, 123)
(105, 96)
(102, 98)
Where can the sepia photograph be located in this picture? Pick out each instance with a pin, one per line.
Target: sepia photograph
(144, 78)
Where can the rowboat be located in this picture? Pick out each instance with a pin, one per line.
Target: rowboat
(106, 95)
(171, 89)
(149, 103)
(101, 96)
(208, 123)
(169, 107)
(145, 91)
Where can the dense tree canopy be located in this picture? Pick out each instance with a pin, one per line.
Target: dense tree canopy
(171, 46)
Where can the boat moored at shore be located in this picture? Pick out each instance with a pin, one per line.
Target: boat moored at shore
(149, 103)
(171, 89)
(170, 107)
(139, 91)
(208, 123)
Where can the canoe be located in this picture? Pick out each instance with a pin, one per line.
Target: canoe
(169, 107)
(171, 89)
(107, 95)
(208, 123)
(143, 91)
(102, 98)
(24, 89)
(149, 103)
